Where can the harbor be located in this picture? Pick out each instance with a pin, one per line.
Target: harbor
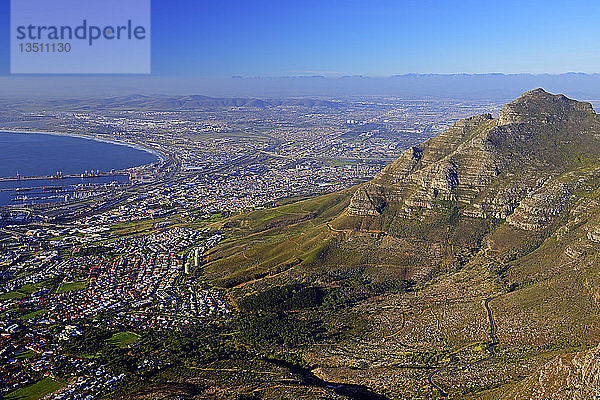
(59, 175)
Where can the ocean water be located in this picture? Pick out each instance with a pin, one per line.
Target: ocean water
(34, 154)
(43, 154)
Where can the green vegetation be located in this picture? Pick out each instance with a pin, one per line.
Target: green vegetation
(433, 358)
(192, 346)
(71, 286)
(128, 227)
(266, 322)
(96, 343)
(93, 250)
(351, 290)
(37, 390)
(267, 330)
(27, 354)
(282, 298)
(34, 314)
(9, 311)
(275, 241)
(29, 289)
(12, 295)
(123, 339)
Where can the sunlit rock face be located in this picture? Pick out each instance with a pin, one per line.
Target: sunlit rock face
(511, 167)
(574, 376)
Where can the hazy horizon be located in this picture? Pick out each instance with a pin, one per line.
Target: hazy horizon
(457, 86)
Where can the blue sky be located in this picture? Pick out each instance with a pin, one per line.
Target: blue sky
(285, 37)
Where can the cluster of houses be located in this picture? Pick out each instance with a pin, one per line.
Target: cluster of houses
(135, 282)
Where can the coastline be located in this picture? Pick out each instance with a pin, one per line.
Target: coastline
(161, 156)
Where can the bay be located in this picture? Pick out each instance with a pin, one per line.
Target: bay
(39, 154)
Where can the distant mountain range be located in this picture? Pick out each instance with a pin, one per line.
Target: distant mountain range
(465, 86)
(173, 103)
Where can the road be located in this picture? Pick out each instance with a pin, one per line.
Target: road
(491, 349)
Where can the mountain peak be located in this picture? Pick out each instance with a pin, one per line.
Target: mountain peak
(539, 92)
(538, 106)
(490, 167)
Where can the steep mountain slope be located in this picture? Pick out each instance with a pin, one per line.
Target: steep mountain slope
(490, 167)
(568, 376)
(462, 268)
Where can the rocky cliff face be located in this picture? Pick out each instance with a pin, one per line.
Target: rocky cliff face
(509, 167)
(574, 376)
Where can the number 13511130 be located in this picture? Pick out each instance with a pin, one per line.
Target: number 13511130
(45, 47)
